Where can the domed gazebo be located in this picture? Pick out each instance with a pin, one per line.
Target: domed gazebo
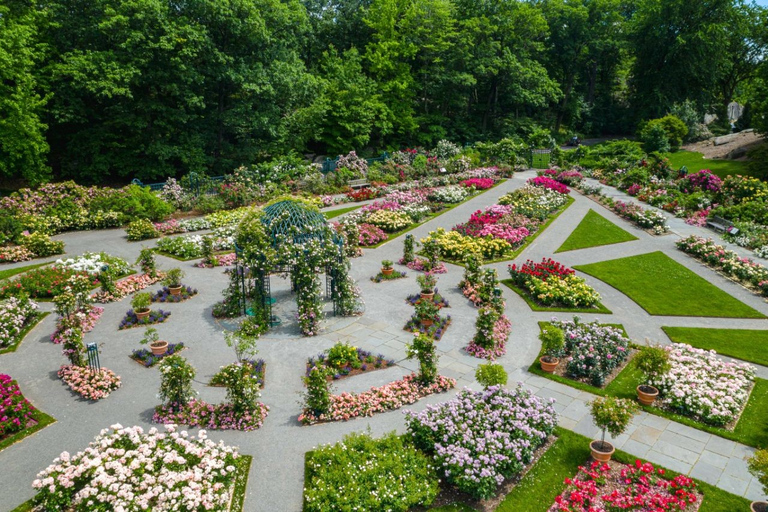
(291, 236)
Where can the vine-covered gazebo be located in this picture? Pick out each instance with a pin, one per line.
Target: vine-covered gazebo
(291, 236)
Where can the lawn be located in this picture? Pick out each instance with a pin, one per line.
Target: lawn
(537, 307)
(10, 272)
(595, 230)
(341, 211)
(696, 162)
(661, 286)
(748, 345)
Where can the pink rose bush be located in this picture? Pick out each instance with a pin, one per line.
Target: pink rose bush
(15, 253)
(480, 438)
(704, 387)
(126, 469)
(90, 384)
(225, 260)
(501, 329)
(478, 183)
(394, 395)
(198, 413)
(370, 235)
(86, 319)
(15, 410)
(547, 182)
(15, 314)
(127, 286)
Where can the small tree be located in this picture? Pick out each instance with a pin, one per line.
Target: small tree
(243, 344)
(408, 249)
(71, 333)
(107, 280)
(427, 282)
(613, 415)
(653, 362)
(423, 348)
(758, 466)
(173, 278)
(141, 302)
(146, 261)
(317, 398)
(242, 387)
(426, 310)
(176, 376)
(552, 341)
(491, 374)
(432, 252)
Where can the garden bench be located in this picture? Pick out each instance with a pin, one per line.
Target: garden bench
(720, 224)
(356, 184)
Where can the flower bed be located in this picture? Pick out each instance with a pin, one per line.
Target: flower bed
(614, 486)
(362, 361)
(41, 283)
(748, 272)
(87, 323)
(478, 439)
(391, 396)
(90, 384)
(647, 219)
(192, 246)
(92, 263)
(15, 253)
(391, 277)
(210, 416)
(370, 235)
(478, 183)
(592, 351)
(421, 265)
(550, 283)
(455, 246)
(127, 286)
(223, 260)
(437, 299)
(501, 329)
(201, 475)
(434, 331)
(131, 320)
(258, 370)
(147, 359)
(15, 314)
(165, 294)
(16, 412)
(548, 183)
(453, 194)
(703, 387)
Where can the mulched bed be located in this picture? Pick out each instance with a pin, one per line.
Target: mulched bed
(391, 277)
(368, 361)
(165, 295)
(147, 359)
(155, 317)
(438, 300)
(434, 331)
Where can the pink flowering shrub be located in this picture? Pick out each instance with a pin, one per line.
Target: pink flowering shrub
(370, 235)
(90, 384)
(549, 183)
(15, 313)
(514, 236)
(699, 218)
(87, 322)
(15, 253)
(381, 205)
(15, 410)
(478, 183)
(634, 189)
(127, 286)
(421, 265)
(501, 330)
(384, 398)
(406, 197)
(703, 180)
(170, 227)
(127, 469)
(225, 260)
(729, 262)
(197, 413)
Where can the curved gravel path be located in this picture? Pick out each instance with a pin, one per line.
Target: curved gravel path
(276, 477)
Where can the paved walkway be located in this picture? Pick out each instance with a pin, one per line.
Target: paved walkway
(276, 478)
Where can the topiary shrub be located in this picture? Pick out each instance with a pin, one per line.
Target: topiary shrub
(491, 374)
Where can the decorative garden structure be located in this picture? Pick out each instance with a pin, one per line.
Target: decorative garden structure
(292, 236)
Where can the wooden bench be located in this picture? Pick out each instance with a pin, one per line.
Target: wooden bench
(356, 184)
(720, 224)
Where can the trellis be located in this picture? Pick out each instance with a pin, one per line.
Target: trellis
(291, 235)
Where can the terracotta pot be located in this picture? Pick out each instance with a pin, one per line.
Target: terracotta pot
(548, 364)
(387, 271)
(142, 314)
(428, 296)
(759, 506)
(175, 290)
(647, 394)
(427, 323)
(159, 347)
(603, 454)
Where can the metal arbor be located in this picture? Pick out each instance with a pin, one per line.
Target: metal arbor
(289, 226)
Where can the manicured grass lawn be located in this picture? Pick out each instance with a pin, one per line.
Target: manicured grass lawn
(23, 333)
(696, 162)
(595, 230)
(341, 211)
(536, 307)
(745, 344)
(10, 272)
(661, 286)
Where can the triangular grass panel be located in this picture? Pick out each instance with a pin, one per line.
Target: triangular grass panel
(661, 286)
(745, 344)
(595, 230)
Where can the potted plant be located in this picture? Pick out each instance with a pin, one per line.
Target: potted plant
(386, 267)
(427, 283)
(173, 280)
(613, 415)
(552, 342)
(758, 466)
(426, 312)
(140, 304)
(152, 338)
(652, 361)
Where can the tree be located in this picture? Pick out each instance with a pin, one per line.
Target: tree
(23, 147)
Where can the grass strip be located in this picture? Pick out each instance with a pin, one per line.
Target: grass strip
(662, 286)
(341, 211)
(31, 325)
(10, 272)
(594, 230)
(745, 344)
(537, 307)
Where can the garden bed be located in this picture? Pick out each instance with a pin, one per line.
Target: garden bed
(438, 300)
(165, 295)
(155, 317)
(147, 359)
(26, 328)
(259, 370)
(535, 306)
(366, 362)
(434, 331)
(198, 413)
(378, 278)
(89, 384)
(18, 417)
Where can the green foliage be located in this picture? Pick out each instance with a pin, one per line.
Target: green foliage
(141, 301)
(41, 245)
(141, 229)
(758, 161)
(176, 376)
(422, 348)
(674, 129)
(408, 248)
(552, 340)
(653, 361)
(612, 414)
(426, 310)
(491, 374)
(655, 138)
(242, 387)
(134, 203)
(758, 466)
(173, 277)
(342, 476)
(146, 261)
(317, 397)
(243, 341)
(427, 282)
(343, 354)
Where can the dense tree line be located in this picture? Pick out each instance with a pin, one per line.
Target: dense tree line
(112, 89)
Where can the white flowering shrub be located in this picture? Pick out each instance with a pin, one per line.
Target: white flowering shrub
(93, 262)
(449, 194)
(14, 314)
(128, 470)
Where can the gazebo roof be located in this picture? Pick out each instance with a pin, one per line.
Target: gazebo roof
(286, 217)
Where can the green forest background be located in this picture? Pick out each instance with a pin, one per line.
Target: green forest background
(107, 90)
